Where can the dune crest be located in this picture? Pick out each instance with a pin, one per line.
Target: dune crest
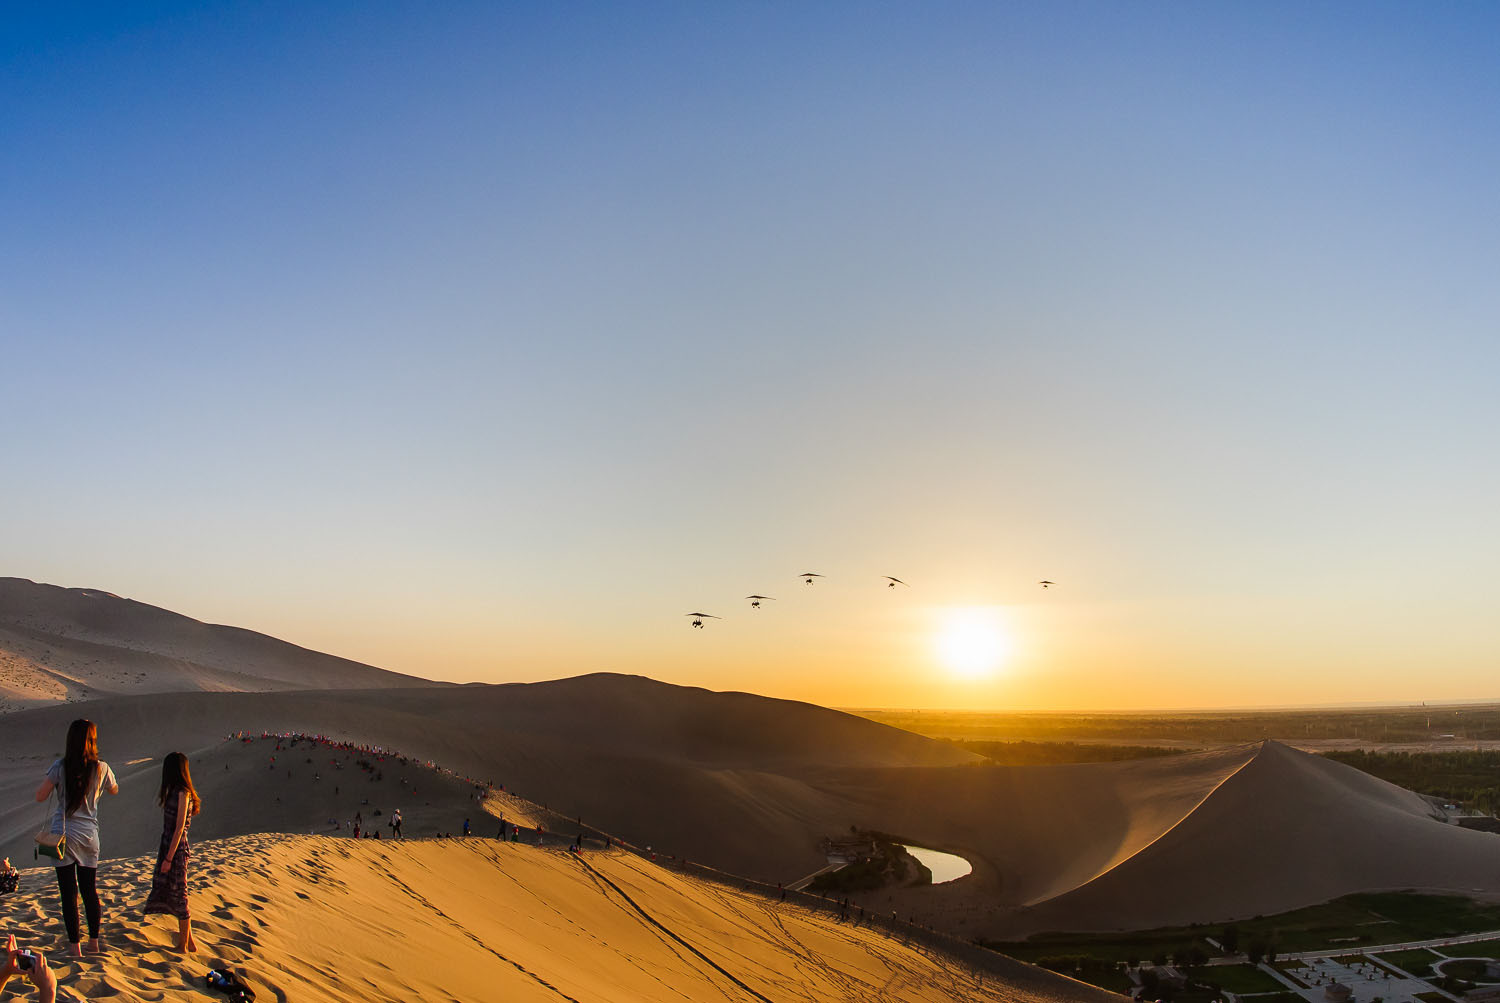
(746, 784)
(310, 918)
(64, 645)
(742, 782)
(1287, 829)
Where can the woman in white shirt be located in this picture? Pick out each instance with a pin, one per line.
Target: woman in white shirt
(79, 778)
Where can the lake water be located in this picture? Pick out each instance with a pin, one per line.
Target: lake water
(944, 866)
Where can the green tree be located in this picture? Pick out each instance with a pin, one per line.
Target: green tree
(1192, 956)
(1230, 939)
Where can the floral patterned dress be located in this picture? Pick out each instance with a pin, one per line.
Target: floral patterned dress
(169, 890)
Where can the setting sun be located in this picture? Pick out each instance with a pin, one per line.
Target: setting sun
(972, 642)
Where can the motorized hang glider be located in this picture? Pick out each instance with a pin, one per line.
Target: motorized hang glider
(809, 575)
(755, 601)
(1044, 584)
(893, 582)
(698, 618)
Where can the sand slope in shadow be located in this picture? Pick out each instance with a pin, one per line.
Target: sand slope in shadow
(751, 785)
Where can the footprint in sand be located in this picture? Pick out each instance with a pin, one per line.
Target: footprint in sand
(95, 987)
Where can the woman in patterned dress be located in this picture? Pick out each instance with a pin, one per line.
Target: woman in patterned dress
(179, 802)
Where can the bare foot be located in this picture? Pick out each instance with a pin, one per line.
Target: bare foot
(75, 950)
(94, 947)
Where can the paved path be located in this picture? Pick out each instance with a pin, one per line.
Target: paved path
(1279, 976)
(802, 883)
(1411, 945)
(1366, 988)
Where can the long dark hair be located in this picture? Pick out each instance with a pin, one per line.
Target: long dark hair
(175, 777)
(80, 761)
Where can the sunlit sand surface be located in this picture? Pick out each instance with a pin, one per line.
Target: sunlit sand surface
(317, 918)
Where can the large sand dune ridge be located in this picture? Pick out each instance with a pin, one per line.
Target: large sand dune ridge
(1288, 829)
(747, 784)
(739, 781)
(476, 921)
(64, 645)
(1232, 833)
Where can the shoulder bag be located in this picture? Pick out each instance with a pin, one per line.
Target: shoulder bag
(54, 845)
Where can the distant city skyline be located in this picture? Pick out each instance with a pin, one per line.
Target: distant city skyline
(485, 342)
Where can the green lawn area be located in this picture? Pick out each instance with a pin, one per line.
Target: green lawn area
(1417, 962)
(1104, 947)
(1238, 978)
(1369, 918)
(1115, 982)
(1473, 971)
(1383, 967)
(1288, 968)
(1426, 917)
(1432, 998)
(1478, 949)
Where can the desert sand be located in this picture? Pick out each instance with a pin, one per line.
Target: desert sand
(750, 785)
(64, 645)
(475, 920)
(1195, 838)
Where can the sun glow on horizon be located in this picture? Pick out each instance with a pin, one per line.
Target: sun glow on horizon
(973, 642)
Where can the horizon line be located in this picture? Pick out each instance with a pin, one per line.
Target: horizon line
(1253, 708)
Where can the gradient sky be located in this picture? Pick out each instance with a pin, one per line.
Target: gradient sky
(484, 341)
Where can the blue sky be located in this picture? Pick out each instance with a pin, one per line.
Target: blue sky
(482, 341)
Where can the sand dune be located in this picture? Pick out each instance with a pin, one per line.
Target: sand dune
(64, 645)
(743, 783)
(734, 780)
(1288, 829)
(1047, 829)
(314, 919)
(1226, 834)
(1217, 836)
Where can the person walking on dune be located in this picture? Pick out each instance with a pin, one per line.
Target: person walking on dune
(179, 803)
(78, 778)
(396, 824)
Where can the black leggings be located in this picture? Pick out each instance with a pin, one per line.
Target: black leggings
(71, 880)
